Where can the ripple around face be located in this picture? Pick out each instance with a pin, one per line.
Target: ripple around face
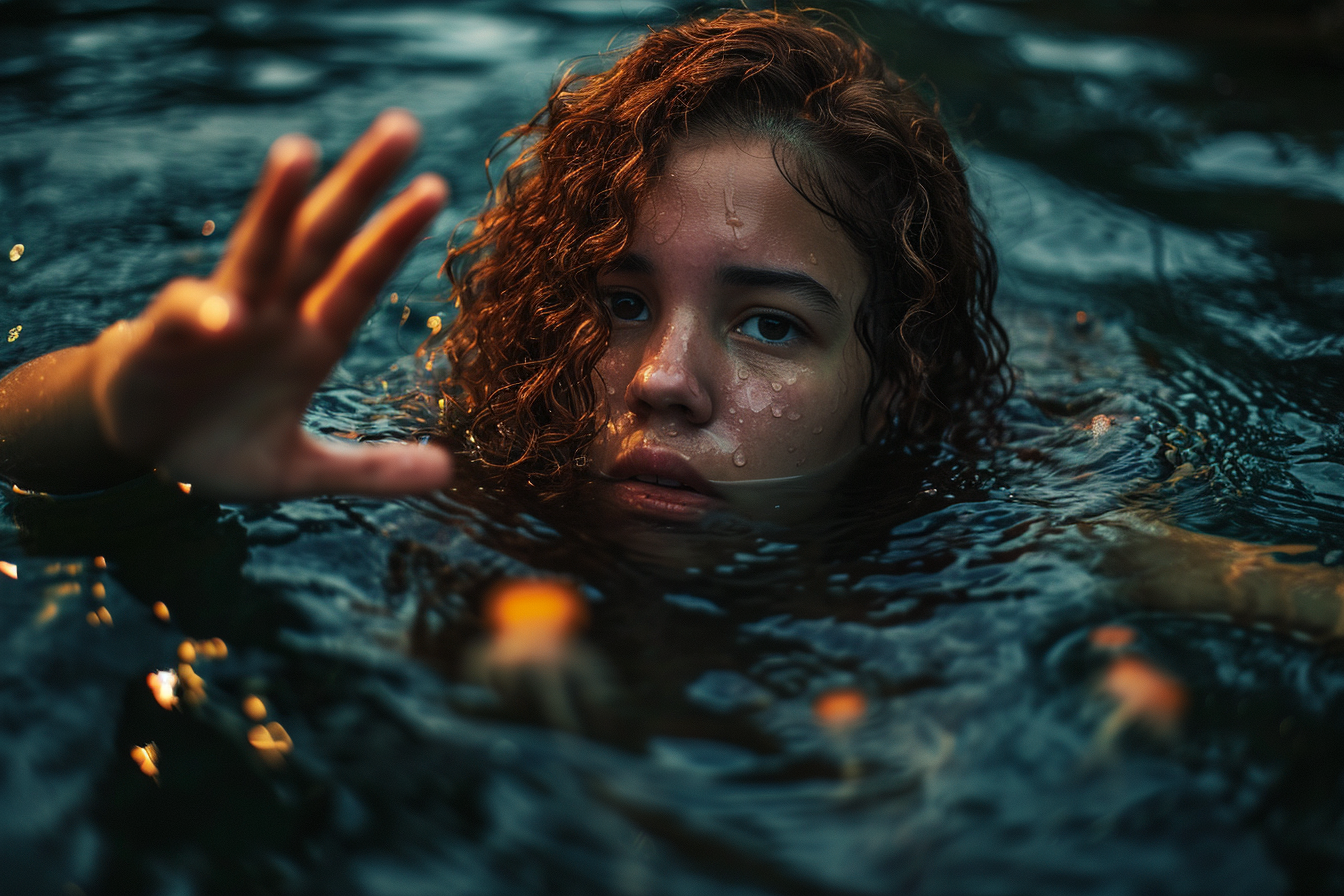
(1178, 185)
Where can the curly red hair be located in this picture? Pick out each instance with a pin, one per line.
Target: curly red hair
(853, 138)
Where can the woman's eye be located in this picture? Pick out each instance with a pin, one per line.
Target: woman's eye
(627, 306)
(771, 328)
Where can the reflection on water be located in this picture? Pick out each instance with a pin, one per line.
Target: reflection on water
(953, 691)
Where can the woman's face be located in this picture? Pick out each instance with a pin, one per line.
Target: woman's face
(733, 355)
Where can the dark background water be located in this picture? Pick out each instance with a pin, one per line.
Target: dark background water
(1175, 171)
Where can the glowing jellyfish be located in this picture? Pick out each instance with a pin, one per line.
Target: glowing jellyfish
(534, 657)
(840, 709)
(839, 712)
(163, 685)
(533, 620)
(1144, 695)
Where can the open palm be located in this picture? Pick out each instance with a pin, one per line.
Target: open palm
(211, 382)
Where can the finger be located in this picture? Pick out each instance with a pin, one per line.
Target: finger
(338, 204)
(385, 469)
(339, 301)
(256, 244)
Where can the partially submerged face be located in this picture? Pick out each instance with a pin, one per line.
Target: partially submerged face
(733, 355)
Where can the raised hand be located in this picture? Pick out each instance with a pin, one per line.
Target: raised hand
(210, 383)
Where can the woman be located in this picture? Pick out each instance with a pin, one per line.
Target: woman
(744, 253)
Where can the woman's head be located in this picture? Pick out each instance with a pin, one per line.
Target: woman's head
(853, 142)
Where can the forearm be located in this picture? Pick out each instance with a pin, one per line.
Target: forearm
(50, 438)
(1166, 567)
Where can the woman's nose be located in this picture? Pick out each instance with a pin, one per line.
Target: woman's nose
(669, 380)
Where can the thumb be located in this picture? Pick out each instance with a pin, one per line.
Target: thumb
(324, 466)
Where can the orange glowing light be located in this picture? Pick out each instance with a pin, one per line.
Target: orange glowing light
(1111, 637)
(840, 709)
(253, 708)
(185, 486)
(47, 613)
(533, 620)
(214, 649)
(1143, 693)
(64, 589)
(1080, 318)
(100, 562)
(9, 569)
(91, 617)
(15, 253)
(271, 741)
(160, 611)
(536, 603)
(147, 757)
(191, 684)
(186, 652)
(105, 616)
(207, 228)
(163, 685)
(98, 591)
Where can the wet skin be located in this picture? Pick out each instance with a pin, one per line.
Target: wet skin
(733, 355)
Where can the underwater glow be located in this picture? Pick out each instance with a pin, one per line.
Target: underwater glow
(1143, 694)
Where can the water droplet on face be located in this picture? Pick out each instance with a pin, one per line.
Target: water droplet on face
(792, 449)
(739, 459)
(794, 415)
(812, 257)
(776, 386)
(776, 412)
(742, 374)
(816, 431)
(671, 432)
(611, 390)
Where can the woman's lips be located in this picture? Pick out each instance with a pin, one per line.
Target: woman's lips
(661, 485)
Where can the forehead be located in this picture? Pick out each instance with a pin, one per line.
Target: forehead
(723, 200)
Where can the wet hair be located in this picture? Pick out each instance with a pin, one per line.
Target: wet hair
(858, 142)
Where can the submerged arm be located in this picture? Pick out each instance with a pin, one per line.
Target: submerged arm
(1161, 566)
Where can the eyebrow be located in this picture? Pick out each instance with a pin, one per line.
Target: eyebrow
(800, 285)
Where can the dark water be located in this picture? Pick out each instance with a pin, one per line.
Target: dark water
(1174, 171)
